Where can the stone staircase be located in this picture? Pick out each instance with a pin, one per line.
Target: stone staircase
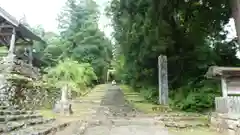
(15, 121)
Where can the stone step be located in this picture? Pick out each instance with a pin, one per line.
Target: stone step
(15, 112)
(70, 130)
(42, 129)
(10, 126)
(178, 118)
(83, 108)
(7, 118)
(181, 115)
(77, 111)
(124, 122)
(3, 107)
(83, 113)
(87, 101)
(185, 124)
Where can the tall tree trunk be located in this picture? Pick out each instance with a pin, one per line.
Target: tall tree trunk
(236, 15)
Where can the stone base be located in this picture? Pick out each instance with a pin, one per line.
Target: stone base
(64, 107)
(228, 124)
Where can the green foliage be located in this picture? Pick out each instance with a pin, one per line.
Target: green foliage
(119, 67)
(71, 73)
(150, 94)
(80, 39)
(195, 98)
(190, 33)
(83, 40)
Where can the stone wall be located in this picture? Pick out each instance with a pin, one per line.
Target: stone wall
(22, 85)
(228, 124)
(22, 68)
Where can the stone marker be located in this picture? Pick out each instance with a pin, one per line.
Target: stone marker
(163, 80)
(63, 106)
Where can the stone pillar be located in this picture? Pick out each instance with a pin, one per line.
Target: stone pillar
(163, 80)
(64, 106)
(11, 50)
(64, 94)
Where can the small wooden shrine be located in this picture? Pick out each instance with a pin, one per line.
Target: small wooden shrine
(226, 117)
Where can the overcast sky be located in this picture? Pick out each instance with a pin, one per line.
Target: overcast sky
(44, 12)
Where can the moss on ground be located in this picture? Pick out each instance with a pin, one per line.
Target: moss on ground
(138, 101)
(77, 107)
(47, 113)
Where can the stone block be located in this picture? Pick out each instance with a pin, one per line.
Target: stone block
(215, 123)
(42, 129)
(226, 123)
(15, 125)
(232, 124)
(64, 107)
(13, 112)
(237, 131)
(7, 118)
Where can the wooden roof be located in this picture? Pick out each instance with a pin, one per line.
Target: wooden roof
(216, 72)
(7, 22)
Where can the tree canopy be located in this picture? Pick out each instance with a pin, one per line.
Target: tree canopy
(190, 33)
(80, 39)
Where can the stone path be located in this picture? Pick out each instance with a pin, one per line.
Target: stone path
(116, 117)
(83, 108)
(104, 111)
(16, 121)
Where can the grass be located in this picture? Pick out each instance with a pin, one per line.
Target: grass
(47, 113)
(138, 101)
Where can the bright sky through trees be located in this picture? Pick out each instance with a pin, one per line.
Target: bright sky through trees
(44, 12)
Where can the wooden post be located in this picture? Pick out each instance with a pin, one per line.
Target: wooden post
(107, 76)
(12, 43)
(163, 80)
(30, 55)
(224, 87)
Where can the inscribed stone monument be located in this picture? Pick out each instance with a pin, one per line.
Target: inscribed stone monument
(163, 80)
